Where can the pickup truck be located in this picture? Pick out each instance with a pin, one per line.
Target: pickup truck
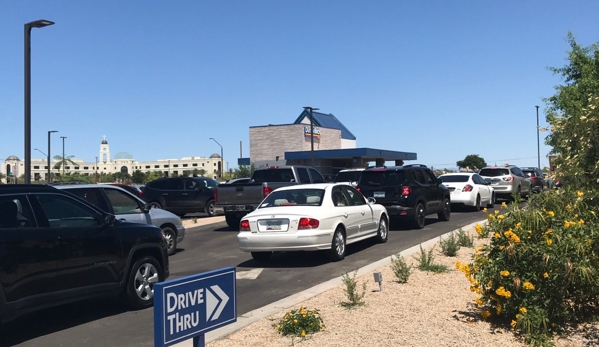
(238, 199)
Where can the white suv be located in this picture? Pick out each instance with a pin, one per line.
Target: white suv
(507, 180)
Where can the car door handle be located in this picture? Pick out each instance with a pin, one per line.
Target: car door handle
(163, 194)
(363, 212)
(184, 193)
(345, 214)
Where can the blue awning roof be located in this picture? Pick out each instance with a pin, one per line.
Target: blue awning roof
(365, 153)
(326, 121)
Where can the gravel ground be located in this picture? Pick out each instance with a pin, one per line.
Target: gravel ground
(430, 310)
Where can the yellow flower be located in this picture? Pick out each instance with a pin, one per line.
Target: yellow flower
(593, 212)
(504, 273)
(479, 302)
(528, 286)
(278, 327)
(518, 315)
(485, 314)
(497, 235)
(303, 333)
(457, 264)
(581, 222)
(579, 193)
(551, 213)
(590, 242)
(498, 309)
(485, 210)
(322, 327)
(549, 231)
(503, 205)
(490, 216)
(479, 229)
(549, 242)
(522, 310)
(501, 248)
(295, 321)
(518, 225)
(568, 207)
(513, 324)
(500, 217)
(287, 316)
(496, 211)
(545, 275)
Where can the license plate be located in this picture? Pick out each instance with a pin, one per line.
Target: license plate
(379, 194)
(240, 208)
(273, 225)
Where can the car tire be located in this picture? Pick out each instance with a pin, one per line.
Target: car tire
(210, 208)
(338, 245)
(382, 234)
(419, 216)
(491, 203)
(261, 256)
(445, 213)
(139, 288)
(171, 239)
(154, 204)
(476, 206)
(232, 222)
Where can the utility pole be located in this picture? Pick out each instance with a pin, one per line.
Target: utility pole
(311, 132)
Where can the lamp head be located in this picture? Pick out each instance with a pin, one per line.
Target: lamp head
(40, 23)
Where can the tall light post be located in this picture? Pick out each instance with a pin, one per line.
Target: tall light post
(311, 131)
(221, 158)
(36, 24)
(538, 143)
(63, 162)
(96, 173)
(49, 179)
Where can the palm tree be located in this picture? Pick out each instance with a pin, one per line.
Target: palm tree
(61, 162)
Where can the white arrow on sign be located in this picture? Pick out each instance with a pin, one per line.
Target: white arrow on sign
(215, 305)
(249, 275)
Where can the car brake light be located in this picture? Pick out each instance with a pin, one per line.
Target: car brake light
(215, 195)
(508, 179)
(405, 191)
(308, 223)
(383, 169)
(467, 188)
(273, 167)
(534, 178)
(141, 193)
(244, 225)
(266, 190)
(358, 189)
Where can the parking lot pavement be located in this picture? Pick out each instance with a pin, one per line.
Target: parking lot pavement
(191, 221)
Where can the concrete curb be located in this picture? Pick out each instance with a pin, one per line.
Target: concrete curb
(292, 300)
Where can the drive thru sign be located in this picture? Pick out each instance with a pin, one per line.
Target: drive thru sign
(188, 307)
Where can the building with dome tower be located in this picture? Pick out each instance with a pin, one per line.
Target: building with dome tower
(124, 162)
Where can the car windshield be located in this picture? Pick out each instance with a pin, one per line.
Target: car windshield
(494, 172)
(294, 197)
(273, 175)
(348, 176)
(454, 178)
(382, 178)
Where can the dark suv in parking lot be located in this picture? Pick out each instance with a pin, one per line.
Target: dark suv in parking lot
(536, 176)
(181, 195)
(56, 248)
(409, 192)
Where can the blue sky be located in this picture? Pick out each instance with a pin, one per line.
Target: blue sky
(444, 79)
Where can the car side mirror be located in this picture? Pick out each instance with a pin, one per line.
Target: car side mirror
(371, 200)
(109, 219)
(146, 208)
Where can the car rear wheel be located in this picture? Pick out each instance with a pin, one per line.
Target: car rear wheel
(419, 216)
(382, 233)
(233, 222)
(210, 208)
(445, 213)
(261, 256)
(171, 239)
(144, 273)
(477, 203)
(337, 251)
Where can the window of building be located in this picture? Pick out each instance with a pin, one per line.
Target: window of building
(165, 166)
(36, 167)
(156, 166)
(184, 165)
(194, 164)
(67, 167)
(147, 166)
(175, 165)
(76, 167)
(86, 168)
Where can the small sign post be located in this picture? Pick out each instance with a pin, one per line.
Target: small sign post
(189, 307)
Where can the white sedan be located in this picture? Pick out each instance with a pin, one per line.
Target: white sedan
(312, 217)
(469, 189)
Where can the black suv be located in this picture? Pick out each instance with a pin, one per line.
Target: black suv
(536, 176)
(181, 195)
(56, 248)
(409, 192)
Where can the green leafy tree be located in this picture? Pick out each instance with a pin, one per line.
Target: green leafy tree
(199, 172)
(138, 177)
(242, 171)
(472, 161)
(154, 175)
(2, 176)
(122, 177)
(62, 162)
(573, 115)
(105, 178)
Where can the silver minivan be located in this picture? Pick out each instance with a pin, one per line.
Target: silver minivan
(507, 180)
(126, 206)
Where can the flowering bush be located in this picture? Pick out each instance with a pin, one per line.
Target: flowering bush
(539, 272)
(300, 323)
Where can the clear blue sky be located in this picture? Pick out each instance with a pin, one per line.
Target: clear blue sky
(443, 79)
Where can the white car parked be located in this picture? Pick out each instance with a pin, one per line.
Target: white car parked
(126, 206)
(469, 189)
(312, 217)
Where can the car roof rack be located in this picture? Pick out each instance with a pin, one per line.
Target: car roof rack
(415, 165)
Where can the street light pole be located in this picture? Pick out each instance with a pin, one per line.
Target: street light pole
(63, 162)
(538, 142)
(96, 173)
(49, 178)
(36, 24)
(221, 158)
(311, 132)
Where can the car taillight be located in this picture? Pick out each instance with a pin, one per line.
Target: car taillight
(358, 188)
(266, 190)
(534, 178)
(215, 195)
(508, 179)
(405, 191)
(244, 225)
(308, 223)
(467, 188)
(141, 193)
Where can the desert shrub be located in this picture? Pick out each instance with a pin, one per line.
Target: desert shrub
(351, 291)
(539, 271)
(449, 246)
(300, 323)
(464, 239)
(400, 268)
(426, 261)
